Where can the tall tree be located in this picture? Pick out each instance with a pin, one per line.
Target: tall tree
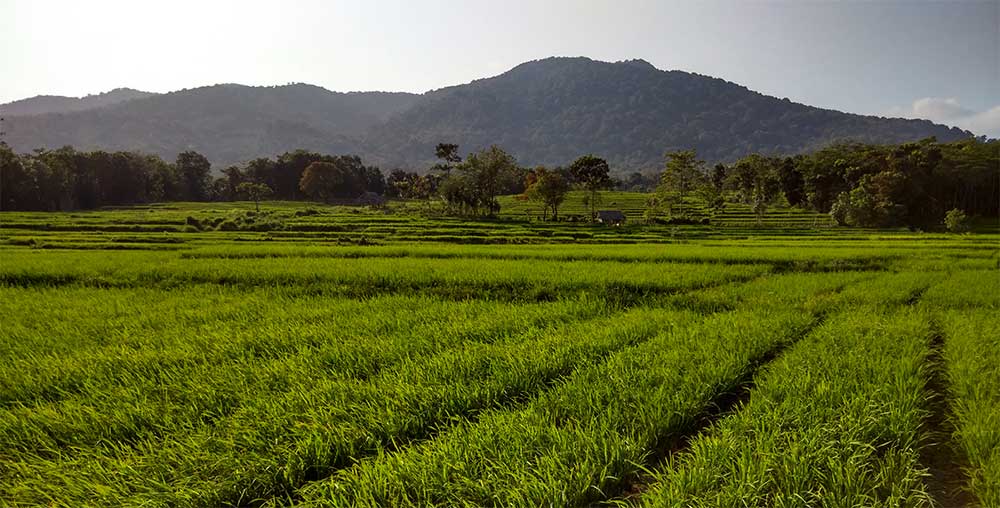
(232, 178)
(591, 172)
(343, 176)
(14, 180)
(288, 171)
(447, 152)
(792, 183)
(374, 180)
(460, 193)
(682, 172)
(320, 181)
(254, 192)
(718, 177)
(756, 178)
(264, 170)
(194, 171)
(398, 183)
(489, 170)
(448, 159)
(549, 187)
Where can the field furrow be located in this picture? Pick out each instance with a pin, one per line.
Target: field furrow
(509, 280)
(271, 446)
(835, 422)
(219, 329)
(197, 355)
(580, 439)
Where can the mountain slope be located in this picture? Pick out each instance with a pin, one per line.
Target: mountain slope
(226, 123)
(551, 111)
(544, 112)
(44, 104)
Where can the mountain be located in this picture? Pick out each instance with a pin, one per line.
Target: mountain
(551, 111)
(43, 104)
(544, 112)
(227, 123)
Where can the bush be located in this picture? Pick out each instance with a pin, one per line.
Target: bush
(684, 220)
(269, 225)
(956, 221)
(862, 208)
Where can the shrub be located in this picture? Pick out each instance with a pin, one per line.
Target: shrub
(268, 225)
(956, 221)
(193, 222)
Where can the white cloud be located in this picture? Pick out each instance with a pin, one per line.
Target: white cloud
(934, 108)
(950, 112)
(987, 122)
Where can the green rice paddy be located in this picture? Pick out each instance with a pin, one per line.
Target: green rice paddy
(203, 355)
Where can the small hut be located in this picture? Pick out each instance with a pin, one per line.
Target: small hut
(611, 217)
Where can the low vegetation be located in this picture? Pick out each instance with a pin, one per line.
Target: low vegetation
(210, 354)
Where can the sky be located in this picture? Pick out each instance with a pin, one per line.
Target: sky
(917, 59)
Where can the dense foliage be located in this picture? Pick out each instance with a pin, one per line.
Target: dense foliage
(912, 184)
(67, 179)
(549, 186)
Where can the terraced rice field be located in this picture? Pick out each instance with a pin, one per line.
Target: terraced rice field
(149, 362)
(633, 205)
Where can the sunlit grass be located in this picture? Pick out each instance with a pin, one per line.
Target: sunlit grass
(339, 356)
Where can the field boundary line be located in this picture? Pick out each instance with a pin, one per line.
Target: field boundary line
(947, 477)
(506, 403)
(725, 403)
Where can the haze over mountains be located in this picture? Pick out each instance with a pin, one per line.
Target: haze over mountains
(544, 112)
(42, 104)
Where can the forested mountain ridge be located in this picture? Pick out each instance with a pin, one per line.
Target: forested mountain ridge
(550, 111)
(44, 104)
(544, 112)
(227, 123)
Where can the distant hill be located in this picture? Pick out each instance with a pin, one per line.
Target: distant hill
(226, 123)
(44, 104)
(544, 112)
(553, 110)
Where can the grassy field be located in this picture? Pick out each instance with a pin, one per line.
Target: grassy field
(196, 355)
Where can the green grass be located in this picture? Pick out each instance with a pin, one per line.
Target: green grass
(579, 441)
(835, 422)
(970, 354)
(335, 356)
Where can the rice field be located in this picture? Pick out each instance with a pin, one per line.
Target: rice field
(204, 355)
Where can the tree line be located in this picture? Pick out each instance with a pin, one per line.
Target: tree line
(69, 179)
(470, 185)
(911, 184)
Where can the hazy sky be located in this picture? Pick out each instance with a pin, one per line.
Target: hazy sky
(937, 60)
